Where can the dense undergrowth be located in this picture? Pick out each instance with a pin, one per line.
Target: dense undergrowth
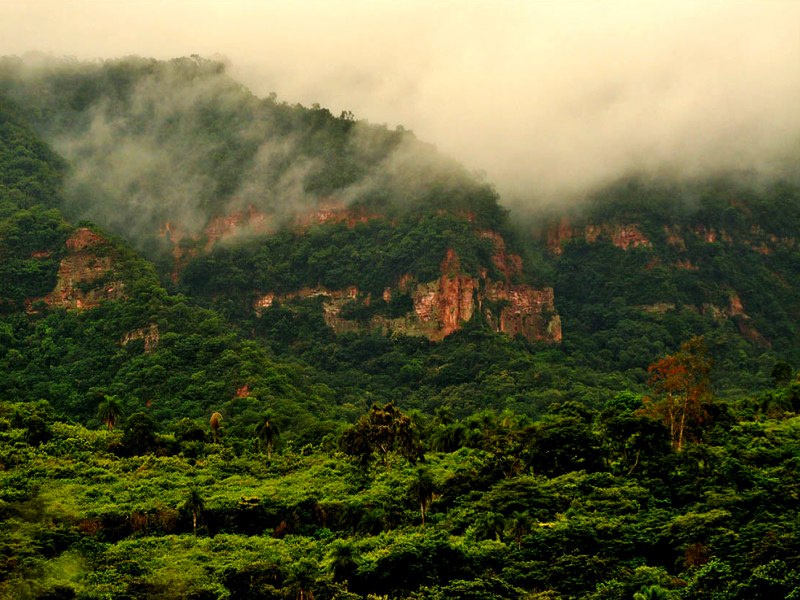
(578, 504)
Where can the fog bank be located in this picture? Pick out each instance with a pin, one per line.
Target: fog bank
(548, 99)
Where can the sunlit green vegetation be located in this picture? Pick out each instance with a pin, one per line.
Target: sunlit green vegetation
(578, 504)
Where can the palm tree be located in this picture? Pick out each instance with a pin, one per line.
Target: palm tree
(109, 411)
(196, 505)
(489, 526)
(518, 527)
(216, 424)
(422, 489)
(267, 434)
(302, 578)
(342, 560)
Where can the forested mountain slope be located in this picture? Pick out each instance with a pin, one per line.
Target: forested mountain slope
(84, 317)
(253, 350)
(276, 214)
(645, 262)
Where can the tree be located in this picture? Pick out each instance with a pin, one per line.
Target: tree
(342, 560)
(186, 430)
(267, 434)
(682, 386)
(518, 526)
(195, 505)
(216, 425)
(781, 373)
(139, 435)
(109, 411)
(422, 489)
(302, 579)
(382, 430)
(489, 526)
(652, 592)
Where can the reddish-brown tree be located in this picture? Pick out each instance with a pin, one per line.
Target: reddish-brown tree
(682, 389)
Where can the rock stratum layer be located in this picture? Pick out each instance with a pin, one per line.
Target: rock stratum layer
(442, 306)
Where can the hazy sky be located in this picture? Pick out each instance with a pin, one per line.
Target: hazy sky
(546, 97)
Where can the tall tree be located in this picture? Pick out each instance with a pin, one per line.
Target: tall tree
(267, 433)
(109, 411)
(195, 505)
(382, 430)
(422, 490)
(681, 383)
(139, 434)
(216, 426)
(342, 560)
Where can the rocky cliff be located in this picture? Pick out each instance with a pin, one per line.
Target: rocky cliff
(442, 306)
(87, 274)
(630, 235)
(620, 235)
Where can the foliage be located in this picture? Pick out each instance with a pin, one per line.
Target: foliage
(681, 381)
(381, 431)
(491, 467)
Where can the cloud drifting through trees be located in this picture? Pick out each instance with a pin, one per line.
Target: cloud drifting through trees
(548, 98)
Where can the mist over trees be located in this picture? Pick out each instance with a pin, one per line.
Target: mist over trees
(161, 438)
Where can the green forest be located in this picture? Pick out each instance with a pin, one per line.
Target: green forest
(165, 432)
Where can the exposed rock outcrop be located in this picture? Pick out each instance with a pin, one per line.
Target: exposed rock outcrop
(622, 236)
(442, 306)
(735, 312)
(86, 275)
(241, 222)
(220, 228)
(149, 334)
(333, 211)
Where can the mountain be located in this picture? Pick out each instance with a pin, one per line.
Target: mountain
(645, 262)
(84, 316)
(253, 350)
(274, 214)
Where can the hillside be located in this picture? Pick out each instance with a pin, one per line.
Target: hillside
(646, 262)
(254, 350)
(85, 317)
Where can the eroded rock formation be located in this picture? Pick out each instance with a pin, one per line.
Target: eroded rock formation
(442, 306)
(150, 335)
(86, 275)
(622, 236)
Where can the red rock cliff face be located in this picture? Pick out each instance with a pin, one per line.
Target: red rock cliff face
(86, 275)
(236, 223)
(622, 236)
(441, 307)
(524, 311)
(333, 211)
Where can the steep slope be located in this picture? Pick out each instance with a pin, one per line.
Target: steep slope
(249, 167)
(416, 275)
(180, 146)
(82, 316)
(294, 225)
(645, 263)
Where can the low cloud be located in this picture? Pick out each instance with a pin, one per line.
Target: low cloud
(549, 99)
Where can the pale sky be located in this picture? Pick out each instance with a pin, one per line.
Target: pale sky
(546, 97)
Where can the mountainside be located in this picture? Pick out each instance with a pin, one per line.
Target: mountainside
(263, 210)
(643, 262)
(84, 316)
(252, 350)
